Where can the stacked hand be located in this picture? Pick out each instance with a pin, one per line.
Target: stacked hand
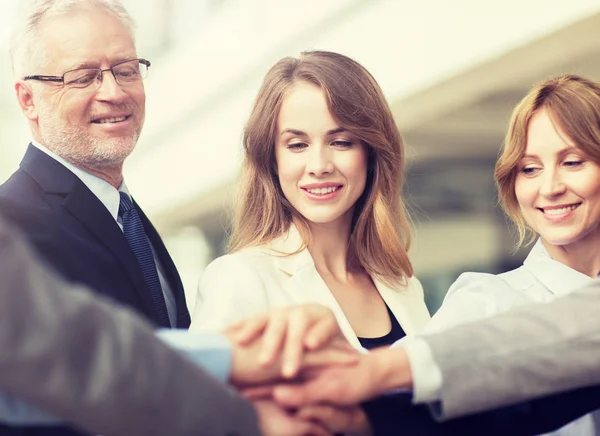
(275, 345)
(303, 375)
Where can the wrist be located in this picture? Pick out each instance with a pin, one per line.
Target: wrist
(236, 376)
(392, 369)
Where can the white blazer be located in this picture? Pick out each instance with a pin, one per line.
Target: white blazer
(255, 279)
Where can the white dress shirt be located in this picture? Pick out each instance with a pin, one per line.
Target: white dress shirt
(110, 198)
(475, 296)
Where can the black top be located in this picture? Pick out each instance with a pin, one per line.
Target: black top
(395, 333)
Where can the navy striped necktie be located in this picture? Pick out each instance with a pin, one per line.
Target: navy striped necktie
(138, 241)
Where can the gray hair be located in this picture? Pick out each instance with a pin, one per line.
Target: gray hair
(26, 49)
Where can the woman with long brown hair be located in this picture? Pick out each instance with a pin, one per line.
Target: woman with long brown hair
(319, 215)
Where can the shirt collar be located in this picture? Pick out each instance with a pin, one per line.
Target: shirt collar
(105, 192)
(557, 277)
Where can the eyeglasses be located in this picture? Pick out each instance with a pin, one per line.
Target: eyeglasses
(125, 73)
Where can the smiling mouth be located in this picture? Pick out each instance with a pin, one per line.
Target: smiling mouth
(322, 191)
(111, 120)
(559, 211)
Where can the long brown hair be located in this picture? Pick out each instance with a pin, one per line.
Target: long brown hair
(573, 104)
(380, 234)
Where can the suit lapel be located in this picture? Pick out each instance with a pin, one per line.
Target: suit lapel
(407, 305)
(86, 207)
(82, 204)
(183, 315)
(305, 284)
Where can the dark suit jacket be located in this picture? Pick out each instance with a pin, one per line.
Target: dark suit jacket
(395, 414)
(73, 231)
(97, 365)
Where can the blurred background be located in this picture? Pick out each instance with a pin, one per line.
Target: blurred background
(451, 69)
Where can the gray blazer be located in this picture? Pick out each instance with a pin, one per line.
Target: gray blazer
(528, 352)
(99, 366)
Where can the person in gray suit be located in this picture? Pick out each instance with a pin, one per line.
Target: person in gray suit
(528, 353)
(127, 382)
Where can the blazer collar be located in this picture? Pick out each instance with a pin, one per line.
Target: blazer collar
(289, 252)
(557, 277)
(305, 284)
(52, 176)
(55, 179)
(406, 303)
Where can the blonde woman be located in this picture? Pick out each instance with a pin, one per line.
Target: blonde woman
(319, 215)
(548, 178)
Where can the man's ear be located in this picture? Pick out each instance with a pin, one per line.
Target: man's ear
(25, 98)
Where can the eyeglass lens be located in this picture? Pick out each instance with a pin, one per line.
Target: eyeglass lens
(125, 72)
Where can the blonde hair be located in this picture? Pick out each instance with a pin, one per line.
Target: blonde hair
(573, 103)
(380, 235)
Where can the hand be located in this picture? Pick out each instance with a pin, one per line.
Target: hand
(348, 420)
(377, 372)
(287, 332)
(276, 421)
(247, 370)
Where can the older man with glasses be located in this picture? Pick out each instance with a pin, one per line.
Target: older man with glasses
(79, 83)
(80, 86)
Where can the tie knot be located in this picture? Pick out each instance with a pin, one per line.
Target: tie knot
(125, 205)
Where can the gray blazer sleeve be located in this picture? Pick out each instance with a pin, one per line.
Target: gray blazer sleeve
(99, 366)
(523, 354)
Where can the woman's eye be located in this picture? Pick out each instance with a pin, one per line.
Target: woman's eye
(296, 146)
(342, 144)
(573, 163)
(529, 170)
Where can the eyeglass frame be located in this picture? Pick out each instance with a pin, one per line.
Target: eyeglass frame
(61, 79)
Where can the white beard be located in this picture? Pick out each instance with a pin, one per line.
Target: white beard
(77, 146)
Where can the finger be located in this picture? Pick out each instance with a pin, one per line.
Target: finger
(321, 414)
(293, 348)
(273, 337)
(322, 332)
(250, 329)
(297, 395)
(258, 392)
(330, 357)
(344, 345)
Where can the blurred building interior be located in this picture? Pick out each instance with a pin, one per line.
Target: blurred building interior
(451, 69)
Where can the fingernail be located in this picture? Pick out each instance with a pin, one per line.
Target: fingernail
(288, 370)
